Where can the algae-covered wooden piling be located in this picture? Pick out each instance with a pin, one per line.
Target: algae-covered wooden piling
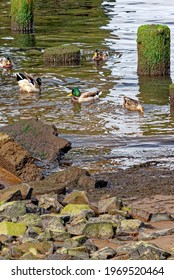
(171, 92)
(22, 16)
(153, 43)
(62, 55)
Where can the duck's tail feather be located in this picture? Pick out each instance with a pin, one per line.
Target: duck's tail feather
(99, 93)
(20, 76)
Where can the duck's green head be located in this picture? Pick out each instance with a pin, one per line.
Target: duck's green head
(76, 92)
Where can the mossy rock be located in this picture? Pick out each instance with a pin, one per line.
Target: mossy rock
(101, 230)
(73, 210)
(59, 235)
(13, 209)
(32, 220)
(62, 55)
(12, 229)
(129, 226)
(153, 42)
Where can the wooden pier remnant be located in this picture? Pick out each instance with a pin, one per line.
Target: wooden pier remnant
(22, 16)
(153, 44)
(171, 93)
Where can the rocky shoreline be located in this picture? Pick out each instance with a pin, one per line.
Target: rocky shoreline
(71, 214)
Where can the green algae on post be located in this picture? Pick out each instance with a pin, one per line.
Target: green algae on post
(153, 43)
(22, 16)
(171, 91)
(62, 55)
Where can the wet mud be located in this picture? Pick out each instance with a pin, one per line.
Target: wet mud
(137, 182)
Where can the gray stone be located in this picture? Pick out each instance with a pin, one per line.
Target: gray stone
(156, 217)
(76, 197)
(59, 235)
(31, 220)
(109, 204)
(149, 236)
(103, 254)
(50, 202)
(143, 250)
(52, 222)
(74, 241)
(13, 209)
(77, 226)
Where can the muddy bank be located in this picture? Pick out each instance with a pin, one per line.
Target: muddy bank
(139, 182)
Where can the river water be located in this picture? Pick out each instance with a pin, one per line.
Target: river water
(104, 136)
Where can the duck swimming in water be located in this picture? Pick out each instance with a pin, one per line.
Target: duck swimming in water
(100, 55)
(6, 63)
(87, 96)
(27, 83)
(132, 104)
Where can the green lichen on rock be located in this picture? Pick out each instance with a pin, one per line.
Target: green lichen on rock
(153, 43)
(62, 55)
(102, 230)
(13, 209)
(12, 229)
(22, 15)
(77, 209)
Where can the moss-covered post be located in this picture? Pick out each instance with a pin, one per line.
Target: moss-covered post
(171, 92)
(62, 55)
(24, 40)
(22, 16)
(153, 43)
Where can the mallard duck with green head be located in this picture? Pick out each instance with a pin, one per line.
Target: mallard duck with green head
(6, 63)
(28, 83)
(100, 55)
(132, 104)
(87, 96)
